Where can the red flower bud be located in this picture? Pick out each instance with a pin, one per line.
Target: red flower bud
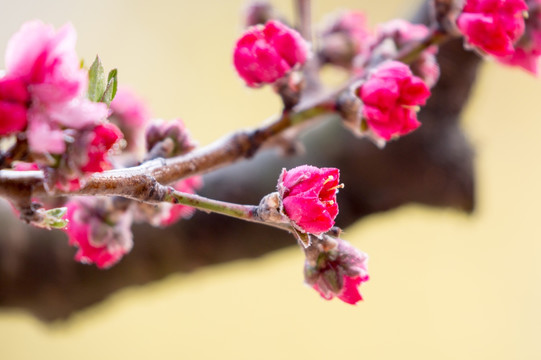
(391, 97)
(308, 197)
(266, 53)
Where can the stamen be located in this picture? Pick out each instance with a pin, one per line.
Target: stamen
(339, 186)
(415, 108)
(330, 178)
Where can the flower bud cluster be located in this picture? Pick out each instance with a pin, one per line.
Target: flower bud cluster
(42, 98)
(100, 229)
(167, 139)
(335, 268)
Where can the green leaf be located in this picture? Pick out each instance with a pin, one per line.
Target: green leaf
(112, 85)
(57, 212)
(54, 218)
(96, 80)
(58, 224)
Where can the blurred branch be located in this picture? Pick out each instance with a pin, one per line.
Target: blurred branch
(432, 166)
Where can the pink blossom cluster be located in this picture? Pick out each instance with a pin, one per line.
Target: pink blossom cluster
(100, 227)
(337, 271)
(167, 139)
(308, 197)
(265, 53)
(391, 97)
(99, 230)
(42, 94)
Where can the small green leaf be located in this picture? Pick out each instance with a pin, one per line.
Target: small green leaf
(96, 80)
(51, 219)
(112, 85)
(57, 212)
(58, 224)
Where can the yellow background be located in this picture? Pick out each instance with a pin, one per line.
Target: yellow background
(443, 285)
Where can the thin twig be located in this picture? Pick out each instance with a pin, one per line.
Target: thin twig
(311, 68)
(303, 8)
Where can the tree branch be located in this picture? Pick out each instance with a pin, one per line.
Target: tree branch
(431, 166)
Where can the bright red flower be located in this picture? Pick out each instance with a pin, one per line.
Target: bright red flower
(391, 96)
(528, 47)
(308, 197)
(493, 25)
(266, 53)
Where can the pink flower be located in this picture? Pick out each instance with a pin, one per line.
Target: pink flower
(308, 197)
(102, 236)
(493, 25)
(46, 60)
(104, 137)
(337, 272)
(528, 48)
(391, 96)
(14, 99)
(266, 53)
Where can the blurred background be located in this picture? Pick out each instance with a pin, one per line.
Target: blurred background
(444, 285)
